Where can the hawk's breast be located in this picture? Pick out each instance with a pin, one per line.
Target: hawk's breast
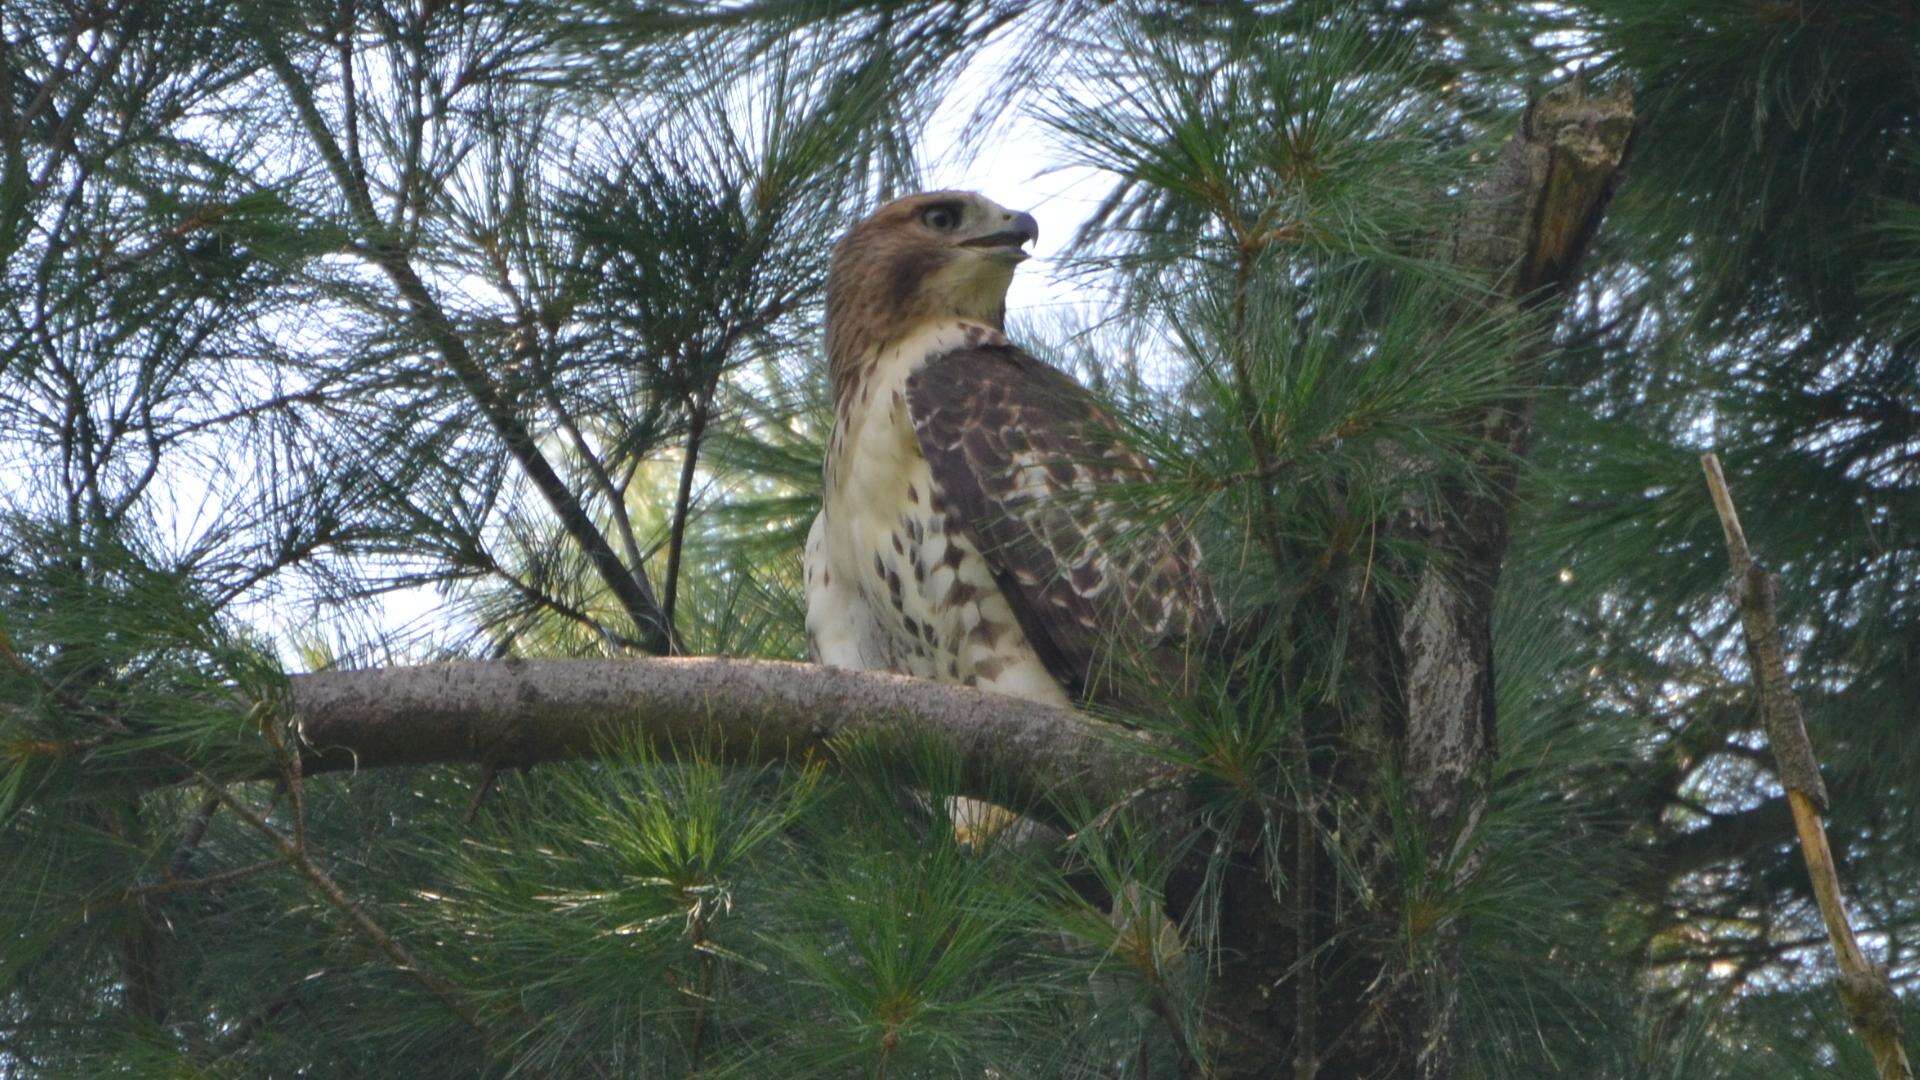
(892, 582)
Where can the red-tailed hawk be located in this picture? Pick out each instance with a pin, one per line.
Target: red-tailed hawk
(962, 535)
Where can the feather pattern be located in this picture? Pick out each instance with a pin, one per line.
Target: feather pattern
(1025, 462)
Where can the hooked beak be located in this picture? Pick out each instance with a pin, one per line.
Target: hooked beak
(1008, 242)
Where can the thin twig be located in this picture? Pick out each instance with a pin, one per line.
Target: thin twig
(1863, 987)
(108, 67)
(245, 1031)
(597, 472)
(1192, 1065)
(1306, 944)
(190, 838)
(349, 95)
(174, 885)
(480, 793)
(532, 350)
(390, 254)
(434, 983)
(438, 985)
(1267, 463)
(682, 503)
(290, 773)
(703, 996)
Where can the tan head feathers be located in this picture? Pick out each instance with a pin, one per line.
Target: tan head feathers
(923, 258)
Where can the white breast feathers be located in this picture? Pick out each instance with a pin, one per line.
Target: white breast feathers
(892, 582)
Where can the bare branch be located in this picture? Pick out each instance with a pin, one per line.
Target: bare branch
(1863, 987)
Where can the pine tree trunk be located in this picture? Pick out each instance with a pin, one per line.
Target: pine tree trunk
(1328, 989)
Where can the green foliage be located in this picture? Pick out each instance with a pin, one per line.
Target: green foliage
(1806, 109)
(116, 668)
(232, 447)
(913, 961)
(617, 899)
(1270, 135)
(1750, 302)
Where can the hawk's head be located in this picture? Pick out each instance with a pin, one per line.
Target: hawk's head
(923, 258)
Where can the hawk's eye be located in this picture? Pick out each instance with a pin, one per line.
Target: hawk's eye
(942, 218)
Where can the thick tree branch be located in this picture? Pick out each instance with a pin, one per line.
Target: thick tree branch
(518, 712)
(1391, 1012)
(1527, 227)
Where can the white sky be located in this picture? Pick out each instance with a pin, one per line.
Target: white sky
(1016, 164)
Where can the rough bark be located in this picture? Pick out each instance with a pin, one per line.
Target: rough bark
(1528, 227)
(1020, 754)
(1393, 1002)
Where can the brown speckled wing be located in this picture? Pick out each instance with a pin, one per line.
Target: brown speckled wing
(1021, 458)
